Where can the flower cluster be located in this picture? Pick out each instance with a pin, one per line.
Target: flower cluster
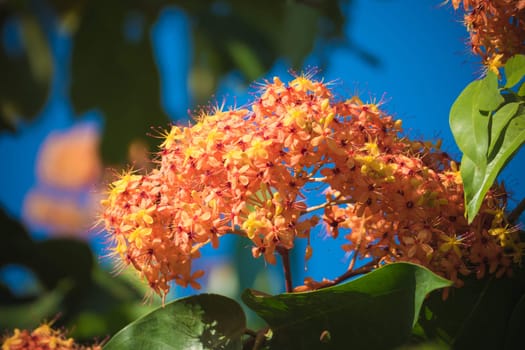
(251, 172)
(43, 338)
(496, 27)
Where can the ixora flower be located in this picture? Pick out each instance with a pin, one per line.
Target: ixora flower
(249, 171)
(68, 167)
(496, 27)
(43, 338)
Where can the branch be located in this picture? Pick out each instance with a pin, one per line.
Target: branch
(317, 179)
(326, 204)
(285, 256)
(351, 273)
(257, 338)
(516, 213)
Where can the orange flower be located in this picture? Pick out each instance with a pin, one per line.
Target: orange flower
(249, 172)
(43, 338)
(70, 160)
(496, 27)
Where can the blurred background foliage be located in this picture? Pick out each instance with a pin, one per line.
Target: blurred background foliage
(113, 66)
(113, 69)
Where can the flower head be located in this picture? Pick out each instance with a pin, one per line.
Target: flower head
(250, 172)
(43, 338)
(496, 28)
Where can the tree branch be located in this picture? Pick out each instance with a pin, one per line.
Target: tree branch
(285, 256)
(257, 339)
(326, 204)
(351, 273)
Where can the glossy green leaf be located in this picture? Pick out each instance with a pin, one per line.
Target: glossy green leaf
(488, 98)
(514, 70)
(479, 315)
(509, 142)
(500, 120)
(472, 177)
(375, 311)
(205, 321)
(478, 179)
(469, 117)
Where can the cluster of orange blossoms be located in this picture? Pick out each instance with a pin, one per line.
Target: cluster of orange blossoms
(42, 338)
(250, 172)
(496, 27)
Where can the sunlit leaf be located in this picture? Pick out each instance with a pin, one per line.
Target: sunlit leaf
(469, 117)
(376, 311)
(488, 98)
(521, 90)
(500, 120)
(206, 321)
(476, 179)
(514, 70)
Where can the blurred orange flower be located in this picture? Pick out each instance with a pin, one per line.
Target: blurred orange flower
(68, 169)
(70, 160)
(64, 215)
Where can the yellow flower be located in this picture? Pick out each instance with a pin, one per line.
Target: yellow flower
(175, 134)
(252, 224)
(495, 63)
(451, 242)
(137, 235)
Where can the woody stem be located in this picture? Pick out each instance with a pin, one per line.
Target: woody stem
(351, 273)
(285, 256)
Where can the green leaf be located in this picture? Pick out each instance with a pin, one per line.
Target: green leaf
(488, 98)
(514, 70)
(476, 179)
(521, 90)
(472, 177)
(469, 118)
(376, 311)
(500, 120)
(480, 315)
(205, 321)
